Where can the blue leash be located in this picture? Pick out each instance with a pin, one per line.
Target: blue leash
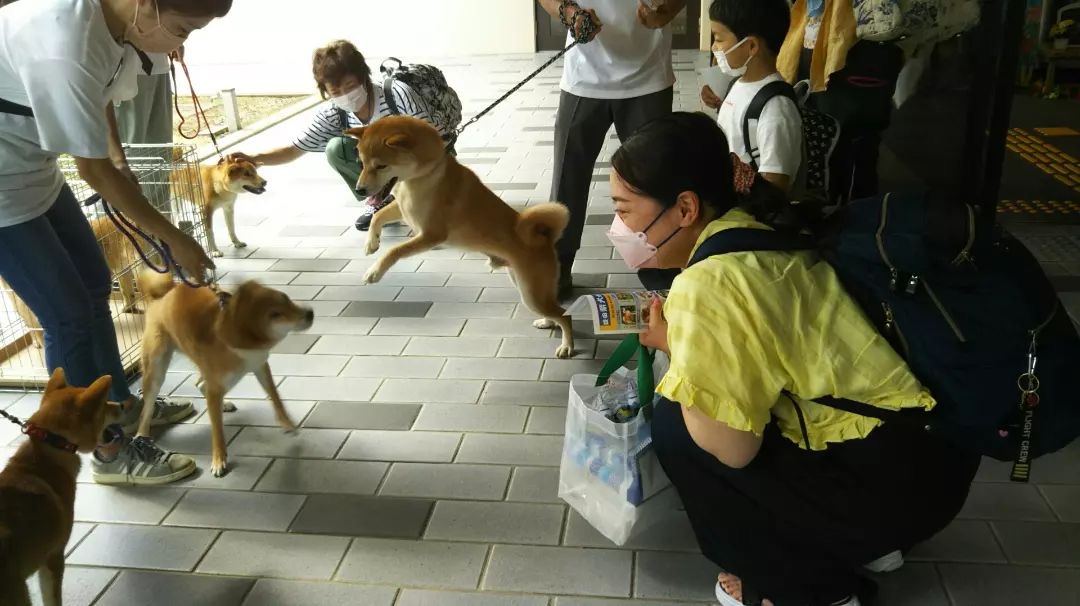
(130, 231)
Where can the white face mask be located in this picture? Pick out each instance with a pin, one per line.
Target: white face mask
(157, 39)
(352, 101)
(725, 65)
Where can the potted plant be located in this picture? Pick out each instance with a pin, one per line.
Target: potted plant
(1061, 32)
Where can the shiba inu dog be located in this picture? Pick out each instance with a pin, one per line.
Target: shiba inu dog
(226, 338)
(446, 203)
(37, 488)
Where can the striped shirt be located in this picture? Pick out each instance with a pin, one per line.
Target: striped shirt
(326, 123)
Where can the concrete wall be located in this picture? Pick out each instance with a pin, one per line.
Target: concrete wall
(264, 46)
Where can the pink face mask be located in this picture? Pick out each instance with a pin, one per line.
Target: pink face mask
(634, 246)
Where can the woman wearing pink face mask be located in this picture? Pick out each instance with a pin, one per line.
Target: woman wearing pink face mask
(789, 498)
(64, 64)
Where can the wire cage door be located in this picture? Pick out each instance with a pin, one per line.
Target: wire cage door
(169, 177)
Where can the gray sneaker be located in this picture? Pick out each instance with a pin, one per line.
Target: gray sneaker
(141, 462)
(166, 411)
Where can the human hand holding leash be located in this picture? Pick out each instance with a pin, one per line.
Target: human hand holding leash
(583, 24)
(583, 32)
(189, 256)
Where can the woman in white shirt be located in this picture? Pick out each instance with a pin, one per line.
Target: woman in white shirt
(64, 64)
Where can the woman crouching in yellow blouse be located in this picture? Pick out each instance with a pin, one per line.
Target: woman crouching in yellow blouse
(789, 517)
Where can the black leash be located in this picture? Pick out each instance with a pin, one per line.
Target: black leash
(41, 434)
(517, 87)
(12, 418)
(584, 35)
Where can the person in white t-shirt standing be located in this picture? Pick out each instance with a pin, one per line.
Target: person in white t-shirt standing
(65, 63)
(747, 34)
(621, 76)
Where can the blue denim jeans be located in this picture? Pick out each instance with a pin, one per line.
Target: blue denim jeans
(54, 264)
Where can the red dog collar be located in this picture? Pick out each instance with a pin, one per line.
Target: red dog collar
(41, 434)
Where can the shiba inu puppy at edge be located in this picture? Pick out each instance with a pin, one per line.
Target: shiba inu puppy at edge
(37, 488)
(446, 203)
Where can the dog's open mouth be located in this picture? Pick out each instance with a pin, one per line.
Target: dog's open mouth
(255, 190)
(384, 193)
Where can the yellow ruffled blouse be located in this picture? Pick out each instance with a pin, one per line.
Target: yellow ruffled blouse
(746, 328)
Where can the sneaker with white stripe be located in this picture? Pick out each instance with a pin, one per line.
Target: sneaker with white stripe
(141, 462)
(166, 411)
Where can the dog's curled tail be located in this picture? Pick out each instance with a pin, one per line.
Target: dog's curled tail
(153, 285)
(542, 224)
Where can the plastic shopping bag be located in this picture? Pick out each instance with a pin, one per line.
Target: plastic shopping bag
(609, 473)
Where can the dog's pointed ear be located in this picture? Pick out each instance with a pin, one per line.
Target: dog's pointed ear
(97, 393)
(56, 381)
(398, 141)
(356, 133)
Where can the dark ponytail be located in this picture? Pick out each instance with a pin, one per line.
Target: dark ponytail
(687, 151)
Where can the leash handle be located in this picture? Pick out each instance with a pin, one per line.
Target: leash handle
(200, 114)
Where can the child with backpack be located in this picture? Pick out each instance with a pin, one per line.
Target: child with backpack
(790, 497)
(747, 34)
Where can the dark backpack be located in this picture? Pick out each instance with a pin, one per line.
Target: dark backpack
(969, 309)
(429, 83)
(820, 135)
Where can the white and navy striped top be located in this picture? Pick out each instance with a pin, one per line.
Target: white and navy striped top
(326, 123)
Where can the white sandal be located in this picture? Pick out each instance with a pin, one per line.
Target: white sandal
(726, 599)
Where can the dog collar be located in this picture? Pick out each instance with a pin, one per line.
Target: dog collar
(40, 434)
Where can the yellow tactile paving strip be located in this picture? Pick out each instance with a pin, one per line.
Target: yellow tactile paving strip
(1057, 131)
(1051, 160)
(1037, 207)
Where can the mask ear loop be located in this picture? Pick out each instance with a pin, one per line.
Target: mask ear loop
(668, 239)
(135, 21)
(658, 217)
(650, 225)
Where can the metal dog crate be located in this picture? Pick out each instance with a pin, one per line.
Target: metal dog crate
(169, 176)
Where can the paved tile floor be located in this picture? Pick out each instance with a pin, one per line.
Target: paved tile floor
(425, 472)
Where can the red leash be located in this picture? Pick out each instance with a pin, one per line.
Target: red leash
(200, 114)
